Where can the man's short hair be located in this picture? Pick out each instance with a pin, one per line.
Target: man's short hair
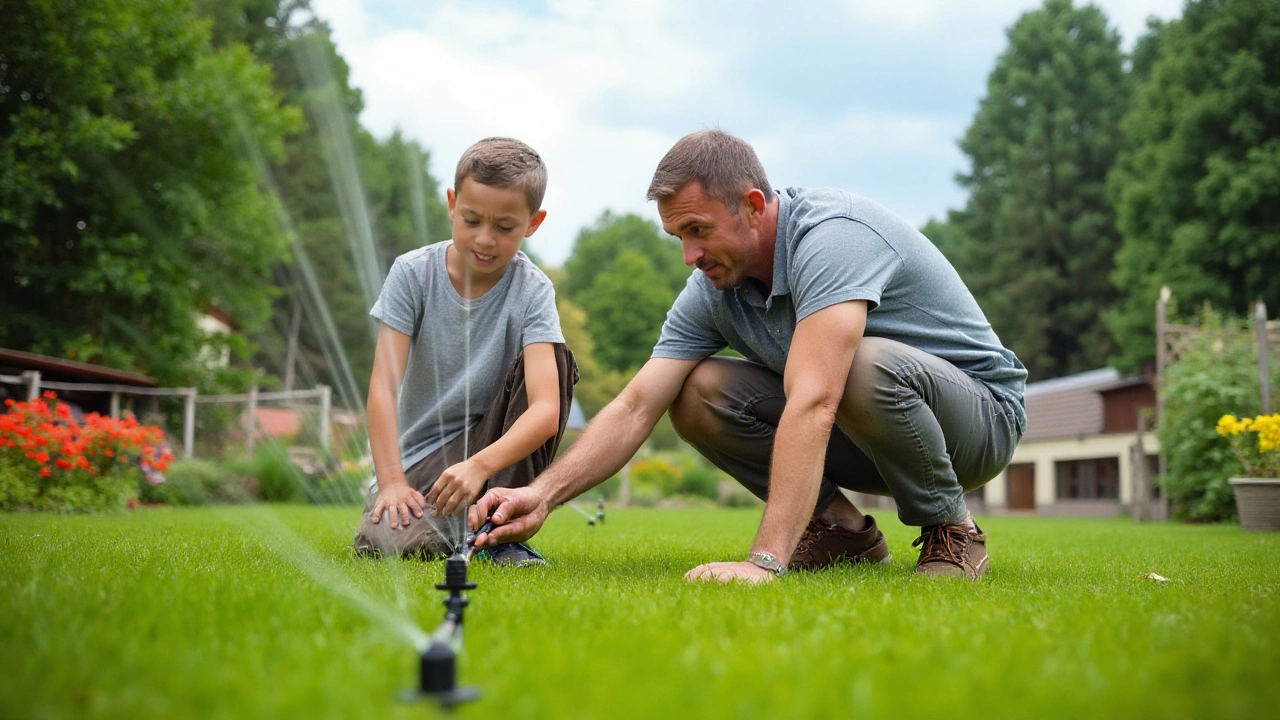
(505, 163)
(725, 165)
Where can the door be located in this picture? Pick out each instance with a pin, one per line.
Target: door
(1021, 488)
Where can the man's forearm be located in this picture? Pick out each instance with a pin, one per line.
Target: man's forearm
(799, 453)
(608, 442)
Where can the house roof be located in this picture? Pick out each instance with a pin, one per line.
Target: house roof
(53, 368)
(1068, 406)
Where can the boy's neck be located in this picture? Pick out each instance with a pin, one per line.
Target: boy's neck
(467, 284)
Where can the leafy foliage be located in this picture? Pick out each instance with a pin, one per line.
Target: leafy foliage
(50, 460)
(1217, 376)
(626, 273)
(1198, 191)
(1036, 238)
(337, 184)
(128, 202)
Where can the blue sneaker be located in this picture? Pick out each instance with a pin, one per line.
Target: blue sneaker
(515, 554)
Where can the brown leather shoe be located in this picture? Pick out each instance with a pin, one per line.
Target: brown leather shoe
(952, 550)
(824, 545)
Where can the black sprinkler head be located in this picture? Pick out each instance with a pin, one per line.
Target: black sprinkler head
(600, 511)
(455, 574)
(438, 678)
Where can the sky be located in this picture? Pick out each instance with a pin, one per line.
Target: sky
(870, 96)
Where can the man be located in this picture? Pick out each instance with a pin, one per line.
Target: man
(868, 366)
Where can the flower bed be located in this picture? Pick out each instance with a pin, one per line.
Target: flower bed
(51, 461)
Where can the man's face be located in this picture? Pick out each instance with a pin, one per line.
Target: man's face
(714, 239)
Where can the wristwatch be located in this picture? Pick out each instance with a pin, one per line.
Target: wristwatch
(768, 562)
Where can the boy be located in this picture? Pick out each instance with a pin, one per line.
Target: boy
(457, 318)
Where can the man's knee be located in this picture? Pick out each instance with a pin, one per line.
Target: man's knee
(691, 412)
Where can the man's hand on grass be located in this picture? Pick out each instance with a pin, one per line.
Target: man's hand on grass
(400, 500)
(457, 486)
(725, 572)
(517, 513)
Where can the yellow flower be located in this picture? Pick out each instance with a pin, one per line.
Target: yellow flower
(1227, 425)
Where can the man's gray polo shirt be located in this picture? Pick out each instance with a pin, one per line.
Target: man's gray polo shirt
(832, 247)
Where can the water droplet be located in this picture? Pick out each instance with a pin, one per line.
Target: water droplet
(81, 225)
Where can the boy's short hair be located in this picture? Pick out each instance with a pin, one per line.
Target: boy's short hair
(505, 163)
(725, 165)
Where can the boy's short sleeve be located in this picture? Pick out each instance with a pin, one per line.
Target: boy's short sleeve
(840, 260)
(400, 302)
(689, 332)
(542, 324)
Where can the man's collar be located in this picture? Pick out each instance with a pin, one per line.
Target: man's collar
(781, 252)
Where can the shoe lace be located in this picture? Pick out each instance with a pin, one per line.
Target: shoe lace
(945, 543)
(812, 534)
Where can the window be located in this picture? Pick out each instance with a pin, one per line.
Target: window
(1094, 479)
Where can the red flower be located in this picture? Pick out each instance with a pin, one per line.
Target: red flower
(45, 472)
(49, 395)
(63, 463)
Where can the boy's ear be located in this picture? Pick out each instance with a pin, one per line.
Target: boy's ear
(452, 198)
(535, 222)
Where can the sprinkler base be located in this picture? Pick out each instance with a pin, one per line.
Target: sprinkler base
(446, 698)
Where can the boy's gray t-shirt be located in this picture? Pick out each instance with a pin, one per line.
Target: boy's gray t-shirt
(461, 349)
(834, 246)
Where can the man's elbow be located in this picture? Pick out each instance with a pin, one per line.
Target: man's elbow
(821, 407)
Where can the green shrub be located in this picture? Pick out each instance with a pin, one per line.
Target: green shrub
(656, 473)
(198, 482)
(344, 487)
(16, 491)
(1217, 375)
(700, 480)
(279, 480)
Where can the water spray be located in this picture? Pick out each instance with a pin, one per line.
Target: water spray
(591, 519)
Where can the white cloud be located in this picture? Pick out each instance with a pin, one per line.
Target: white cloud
(865, 95)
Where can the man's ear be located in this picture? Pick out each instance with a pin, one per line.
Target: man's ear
(755, 201)
(535, 222)
(452, 198)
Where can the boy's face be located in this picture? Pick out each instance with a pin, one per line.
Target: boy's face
(489, 223)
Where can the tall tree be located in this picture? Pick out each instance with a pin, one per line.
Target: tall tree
(625, 307)
(1198, 191)
(1036, 239)
(597, 248)
(128, 202)
(355, 203)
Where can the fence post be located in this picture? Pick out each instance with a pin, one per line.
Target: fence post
(326, 405)
(1264, 375)
(251, 420)
(115, 405)
(189, 423)
(31, 378)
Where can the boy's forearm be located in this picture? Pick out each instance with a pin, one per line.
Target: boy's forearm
(384, 437)
(538, 424)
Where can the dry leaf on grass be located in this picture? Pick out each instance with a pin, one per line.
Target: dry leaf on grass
(1153, 576)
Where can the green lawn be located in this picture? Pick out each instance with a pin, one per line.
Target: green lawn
(234, 613)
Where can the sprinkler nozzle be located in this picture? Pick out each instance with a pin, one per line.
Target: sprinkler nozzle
(600, 511)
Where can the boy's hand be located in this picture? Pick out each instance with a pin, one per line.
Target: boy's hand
(400, 500)
(457, 487)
